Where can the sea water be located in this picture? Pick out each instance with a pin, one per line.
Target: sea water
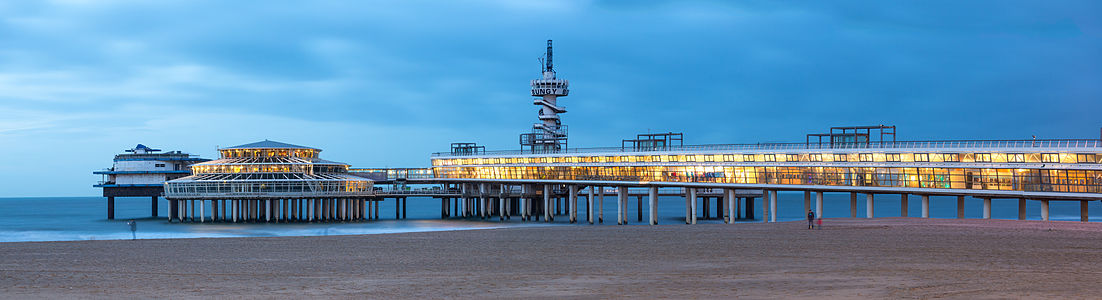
(84, 218)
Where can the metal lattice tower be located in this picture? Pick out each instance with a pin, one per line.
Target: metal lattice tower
(549, 135)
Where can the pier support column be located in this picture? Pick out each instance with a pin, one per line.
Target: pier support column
(807, 201)
(653, 203)
(640, 206)
(732, 205)
(404, 200)
(986, 208)
(1083, 216)
(925, 206)
(483, 204)
(376, 209)
(110, 208)
(528, 207)
(501, 208)
(573, 203)
(960, 207)
(171, 210)
(852, 205)
(154, 205)
(1044, 210)
(903, 205)
(705, 208)
(621, 199)
(692, 205)
(869, 207)
(589, 206)
(773, 206)
(819, 204)
(547, 203)
(1021, 209)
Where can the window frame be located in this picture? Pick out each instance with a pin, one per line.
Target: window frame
(925, 157)
(865, 157)
(1015, 158)
(1045, 157)
(892, 157)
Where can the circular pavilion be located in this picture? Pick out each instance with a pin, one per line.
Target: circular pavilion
(268, 181)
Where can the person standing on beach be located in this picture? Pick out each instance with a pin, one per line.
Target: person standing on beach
(810, 219)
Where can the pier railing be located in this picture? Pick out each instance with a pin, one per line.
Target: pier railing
(945, 144)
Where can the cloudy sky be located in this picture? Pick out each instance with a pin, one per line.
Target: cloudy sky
(385, 83)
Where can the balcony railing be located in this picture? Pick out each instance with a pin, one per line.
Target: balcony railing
(947, 144)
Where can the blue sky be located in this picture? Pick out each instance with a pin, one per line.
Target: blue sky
(385, 83)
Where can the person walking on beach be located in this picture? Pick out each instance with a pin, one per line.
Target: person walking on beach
(133, 229)
(810, 219)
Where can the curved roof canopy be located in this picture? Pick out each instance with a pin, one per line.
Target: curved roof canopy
(266, 144)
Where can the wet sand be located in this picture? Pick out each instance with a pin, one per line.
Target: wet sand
(849, 258)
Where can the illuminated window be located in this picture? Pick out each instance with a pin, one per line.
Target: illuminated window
(983, 157)
(950, 157)
(1050, 158)
(922, 157)
(1086, 158)
(865, 157)
(640, 158)
(1015, 157)
(656, 158)
(748, 157)
(770, 157)
(728, 157)
(793, 157)
(815, 157)
(709, 158)
(672, 158)
(891, 157)
(690, 158)
(841, 157)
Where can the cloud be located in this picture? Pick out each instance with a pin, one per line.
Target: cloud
(390, 82)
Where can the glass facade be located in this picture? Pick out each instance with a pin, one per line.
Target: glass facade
(986, 170)
(268, 173)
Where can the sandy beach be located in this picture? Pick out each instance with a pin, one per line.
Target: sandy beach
(880, 258)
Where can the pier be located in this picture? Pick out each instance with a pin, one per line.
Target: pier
(276, 182)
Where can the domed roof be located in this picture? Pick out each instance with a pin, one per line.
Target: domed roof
(266, 144)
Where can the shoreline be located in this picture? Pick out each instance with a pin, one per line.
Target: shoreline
(879, 258)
